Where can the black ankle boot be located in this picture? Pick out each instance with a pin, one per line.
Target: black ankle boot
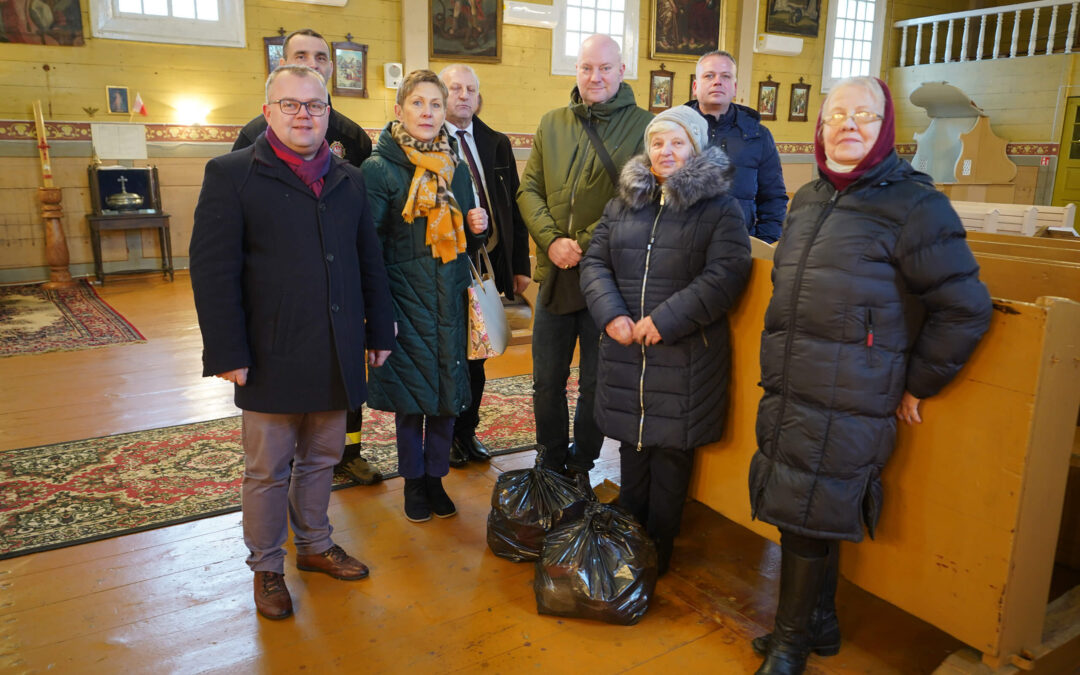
(417, 508)
(801, 580)
(440, 502)
(824, 624)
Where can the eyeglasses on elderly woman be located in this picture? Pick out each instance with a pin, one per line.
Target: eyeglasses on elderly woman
(863, 117)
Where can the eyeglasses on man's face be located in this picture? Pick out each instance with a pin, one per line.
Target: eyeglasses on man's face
(863, 117)
(291, 106)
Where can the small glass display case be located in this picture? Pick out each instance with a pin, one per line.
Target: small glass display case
(122, 190)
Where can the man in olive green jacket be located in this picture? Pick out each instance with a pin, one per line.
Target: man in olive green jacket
(563, 192)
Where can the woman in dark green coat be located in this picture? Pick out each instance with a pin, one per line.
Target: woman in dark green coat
(422, 205)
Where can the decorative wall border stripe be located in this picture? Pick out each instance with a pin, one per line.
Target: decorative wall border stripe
(23, 130)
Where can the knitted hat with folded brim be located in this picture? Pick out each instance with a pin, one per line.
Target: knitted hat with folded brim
(689, 119)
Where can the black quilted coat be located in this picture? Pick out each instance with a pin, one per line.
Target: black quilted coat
(684, 261)
(874, 291)
(427, 372)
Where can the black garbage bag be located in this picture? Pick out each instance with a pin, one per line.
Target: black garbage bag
(602, 567)
(525, 504)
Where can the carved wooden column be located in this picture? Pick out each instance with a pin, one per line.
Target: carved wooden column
(52, 213)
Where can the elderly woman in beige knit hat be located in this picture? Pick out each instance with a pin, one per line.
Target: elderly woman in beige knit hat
(668, 261)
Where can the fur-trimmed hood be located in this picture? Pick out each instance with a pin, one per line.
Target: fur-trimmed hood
(704, 176)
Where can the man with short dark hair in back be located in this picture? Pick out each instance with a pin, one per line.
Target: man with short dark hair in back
(738, 131)
(291, 291)
(350, 142)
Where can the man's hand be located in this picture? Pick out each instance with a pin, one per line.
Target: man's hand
(521, 282)
(377, 357)
(621, 330)
(477, 220)
(645, 332)
(238, 376)
(564, 252)
(908, 411)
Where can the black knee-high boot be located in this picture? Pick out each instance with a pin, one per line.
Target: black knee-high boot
(801, 580)
(824, 624)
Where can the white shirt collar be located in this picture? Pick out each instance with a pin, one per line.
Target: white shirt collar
(453, 128)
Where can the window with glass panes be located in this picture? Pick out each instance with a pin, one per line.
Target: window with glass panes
(217, 23)
(578, 19)
(853, 39)
(204, 10)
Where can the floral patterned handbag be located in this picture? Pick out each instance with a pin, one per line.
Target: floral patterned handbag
(489, 331)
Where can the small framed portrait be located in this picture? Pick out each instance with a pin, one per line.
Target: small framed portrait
(274, 47)
(693, 79)
(800, 102)
(466, 30)
(683, 31)
(117, 100)
(661, 89)
(768, 92)
(350, 69)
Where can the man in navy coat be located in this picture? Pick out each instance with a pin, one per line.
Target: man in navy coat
(291, 295)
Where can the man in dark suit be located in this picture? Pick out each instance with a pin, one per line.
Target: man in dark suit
(495, 180)
(290, 291)
(350, 142)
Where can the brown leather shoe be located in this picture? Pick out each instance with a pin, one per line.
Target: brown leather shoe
(335, 562)
(272, 598)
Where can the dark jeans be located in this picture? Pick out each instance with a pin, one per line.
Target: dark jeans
(654, 486)
(553, 340)
(469, 419)
(423, 445)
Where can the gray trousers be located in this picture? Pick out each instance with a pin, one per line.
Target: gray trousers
(274, 493)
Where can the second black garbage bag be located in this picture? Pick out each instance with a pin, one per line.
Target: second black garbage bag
(525, 504)
(601, 566)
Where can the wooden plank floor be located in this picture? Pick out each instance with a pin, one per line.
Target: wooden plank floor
(178, 599)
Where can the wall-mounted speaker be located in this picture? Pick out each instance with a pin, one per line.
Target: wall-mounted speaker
(392, 74)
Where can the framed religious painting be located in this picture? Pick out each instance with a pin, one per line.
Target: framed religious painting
(661, 89)
(768, 92)
(274, 50)
(795, 17)
(116, 98)
(350, 69)
(466, 30)
(683, 31)
(693, 78)
(800, 102)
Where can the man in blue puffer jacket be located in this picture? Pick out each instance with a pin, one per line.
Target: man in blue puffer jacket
(737, 130)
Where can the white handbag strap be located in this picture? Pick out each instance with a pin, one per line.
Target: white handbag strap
(475, 270)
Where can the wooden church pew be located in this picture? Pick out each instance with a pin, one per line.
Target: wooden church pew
(973, 496)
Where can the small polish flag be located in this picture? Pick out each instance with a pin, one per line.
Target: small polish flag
(139, 106)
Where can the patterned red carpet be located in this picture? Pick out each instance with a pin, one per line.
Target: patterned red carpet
(70, 493)
(34, 320)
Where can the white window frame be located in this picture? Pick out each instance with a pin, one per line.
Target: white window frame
(567, 65)
(106, 21)
(880, 9)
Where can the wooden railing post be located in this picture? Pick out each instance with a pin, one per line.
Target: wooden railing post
(997, 36)
(1034, 30)
(1015, 35)
(982, 36)
(1050, 31)
(933, 42)
(948, 43)
(964, 40)
(903, 45)
(1072, 28)
(918, 45)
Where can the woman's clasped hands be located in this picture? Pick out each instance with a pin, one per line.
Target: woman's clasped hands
(623, 330)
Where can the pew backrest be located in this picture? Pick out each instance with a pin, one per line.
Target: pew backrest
(1024, 219)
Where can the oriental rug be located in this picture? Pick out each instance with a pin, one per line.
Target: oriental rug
(34, 320)
(64, 494)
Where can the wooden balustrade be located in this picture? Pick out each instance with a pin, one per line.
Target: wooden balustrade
(1042, 37)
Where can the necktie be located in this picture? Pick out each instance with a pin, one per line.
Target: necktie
(474, 171)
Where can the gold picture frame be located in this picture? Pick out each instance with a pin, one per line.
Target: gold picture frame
(681, 32)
